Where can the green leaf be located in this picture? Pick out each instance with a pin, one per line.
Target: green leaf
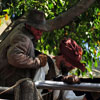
(61, 2)
(90, 64)
(50, 6)
(6, 10)
(98, 54)
(88, 68)
(96, 63)
(83, 61)
(91, 76)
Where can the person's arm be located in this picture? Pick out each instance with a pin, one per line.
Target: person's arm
(17, 53)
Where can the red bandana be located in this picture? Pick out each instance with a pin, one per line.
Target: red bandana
(37, 33)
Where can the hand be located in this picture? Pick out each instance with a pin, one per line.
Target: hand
(71, 79)
(58, 78)
(43, 59)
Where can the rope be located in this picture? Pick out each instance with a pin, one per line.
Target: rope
(46, 93)
(17, 83)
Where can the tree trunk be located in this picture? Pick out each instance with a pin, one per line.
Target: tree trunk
(68, 16)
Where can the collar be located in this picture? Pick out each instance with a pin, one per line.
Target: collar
(27, 32)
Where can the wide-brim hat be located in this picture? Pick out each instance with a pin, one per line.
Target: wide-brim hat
(72, 52)
(36, 19)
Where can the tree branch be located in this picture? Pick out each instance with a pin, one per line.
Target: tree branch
(68, 16)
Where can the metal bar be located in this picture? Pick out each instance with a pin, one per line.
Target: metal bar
(54, 85)
(90, 87)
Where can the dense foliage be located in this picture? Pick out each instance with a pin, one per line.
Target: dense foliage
(84, 29)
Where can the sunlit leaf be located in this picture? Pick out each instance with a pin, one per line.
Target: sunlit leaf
(96, 63)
